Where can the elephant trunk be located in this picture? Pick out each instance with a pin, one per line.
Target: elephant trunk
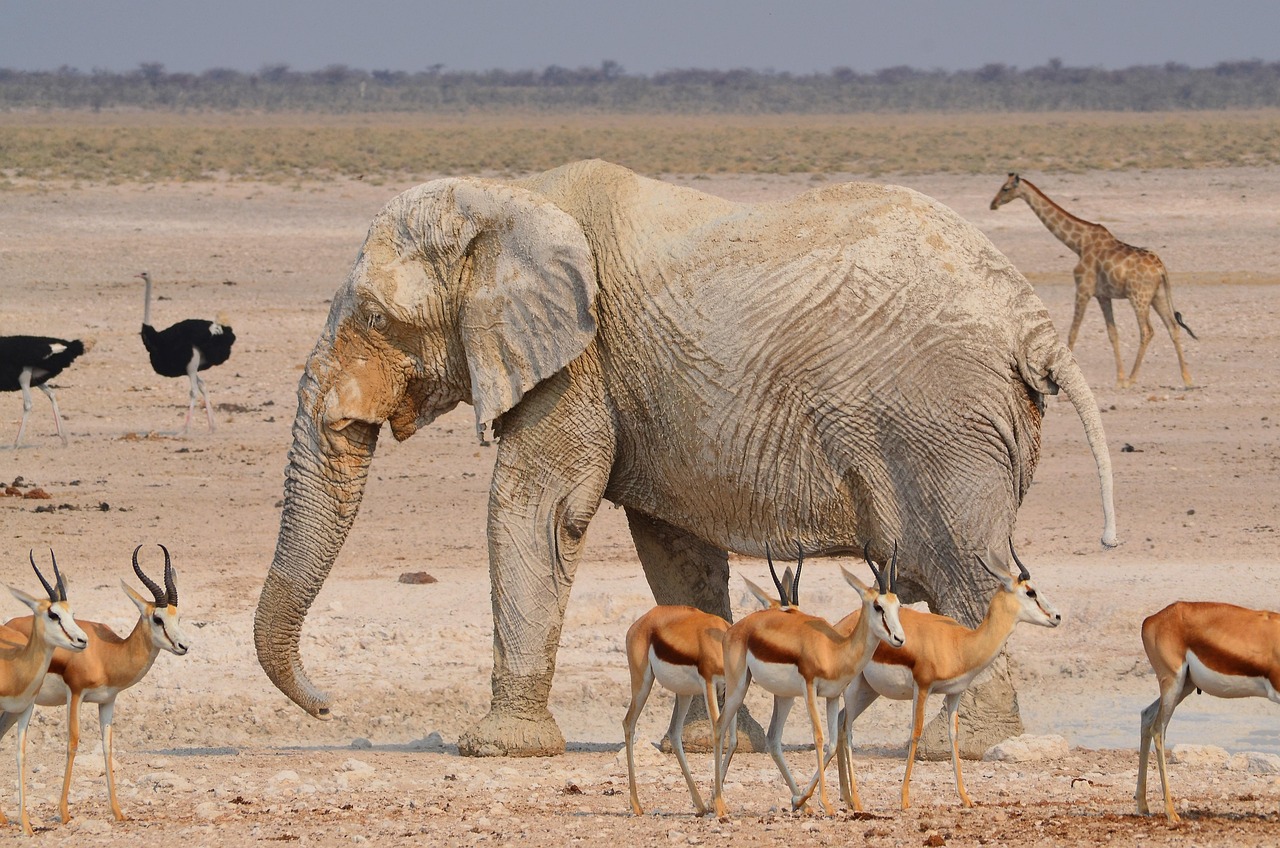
(324, 484)
(1065, 371)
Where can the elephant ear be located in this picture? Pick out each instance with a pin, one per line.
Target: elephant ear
(529, 309)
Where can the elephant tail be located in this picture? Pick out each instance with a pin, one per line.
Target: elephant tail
(1065, 372)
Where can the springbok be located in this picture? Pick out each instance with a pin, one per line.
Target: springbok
(681, 648)
(941, 656)
(108, 665)
(793, 654)
(23, 666)
(1221, 649)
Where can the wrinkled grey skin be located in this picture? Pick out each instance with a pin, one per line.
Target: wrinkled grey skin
(855, 364)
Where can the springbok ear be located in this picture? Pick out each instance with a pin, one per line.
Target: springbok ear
(863, 588)
(760, 594)
(530, 307)
(32, 602)
(138, 601)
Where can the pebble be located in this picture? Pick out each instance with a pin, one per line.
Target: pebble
(1026, 748)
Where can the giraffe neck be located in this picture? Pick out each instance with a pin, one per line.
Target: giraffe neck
(1072, 231)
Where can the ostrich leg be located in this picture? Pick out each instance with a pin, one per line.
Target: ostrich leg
(683, 569)
(57, 416)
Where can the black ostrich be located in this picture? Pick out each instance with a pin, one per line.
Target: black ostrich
(185, 349)
(27, 361)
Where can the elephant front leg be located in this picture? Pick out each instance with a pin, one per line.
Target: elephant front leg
(550, 474)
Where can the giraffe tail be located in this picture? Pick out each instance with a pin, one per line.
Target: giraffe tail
(1177, 316)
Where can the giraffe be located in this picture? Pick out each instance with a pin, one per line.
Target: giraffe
(1108, 268)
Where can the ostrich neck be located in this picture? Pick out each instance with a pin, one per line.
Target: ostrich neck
(146, 303)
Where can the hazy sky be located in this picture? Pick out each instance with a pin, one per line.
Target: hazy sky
(644, 36)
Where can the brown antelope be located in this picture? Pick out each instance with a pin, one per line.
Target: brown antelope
(940, 656)
(1221, 649)
(108, 665)
(793, 654)
(23, 666)
(681, 648)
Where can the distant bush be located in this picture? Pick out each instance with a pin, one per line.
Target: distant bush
(609, 89)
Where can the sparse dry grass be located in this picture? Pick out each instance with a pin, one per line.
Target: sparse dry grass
(143, 146)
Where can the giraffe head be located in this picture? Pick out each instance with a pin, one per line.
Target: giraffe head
(1011, 189)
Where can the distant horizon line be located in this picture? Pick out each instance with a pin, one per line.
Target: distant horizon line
(615, 69)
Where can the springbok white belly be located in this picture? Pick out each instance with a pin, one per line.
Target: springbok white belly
(784, 680)
(680, 679)
(890, 681)
(1227, 685)
(53, 691)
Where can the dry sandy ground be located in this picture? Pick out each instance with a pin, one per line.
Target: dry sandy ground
(208, 750)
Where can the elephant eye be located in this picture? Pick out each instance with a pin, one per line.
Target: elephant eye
(377, 321)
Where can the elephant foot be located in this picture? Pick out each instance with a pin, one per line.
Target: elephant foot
(506, 734)
(988, 715)
(697, 734)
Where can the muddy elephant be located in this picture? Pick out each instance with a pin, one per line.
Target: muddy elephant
(858, 363)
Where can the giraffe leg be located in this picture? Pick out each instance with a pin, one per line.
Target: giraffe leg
(1161, 304)
(1083, 295)
(73, 744)
(1109, 316)
(1142, 309)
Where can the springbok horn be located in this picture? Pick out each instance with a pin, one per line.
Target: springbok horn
(53, 596)
(170, 581)
(795, 584)
(57, 578)
(866, 555)
(155, 590)
(1026, 575)
(782, 592)
(893, 569)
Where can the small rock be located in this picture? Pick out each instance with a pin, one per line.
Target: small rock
(92, 826)
(1255, 762)
(286, 776)
(361, 744)
(207, 811)
(1202, 756)
(1025, 748)
(356, 765)
(37, 494)
(417, 577)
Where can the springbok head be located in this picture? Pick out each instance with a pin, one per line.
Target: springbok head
(161, 614)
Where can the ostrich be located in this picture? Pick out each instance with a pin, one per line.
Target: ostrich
(186, 348)
(27, 361)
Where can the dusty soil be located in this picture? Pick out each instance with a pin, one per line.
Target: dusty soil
(209, 751)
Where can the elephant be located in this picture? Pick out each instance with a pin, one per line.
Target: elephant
(857, 364)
